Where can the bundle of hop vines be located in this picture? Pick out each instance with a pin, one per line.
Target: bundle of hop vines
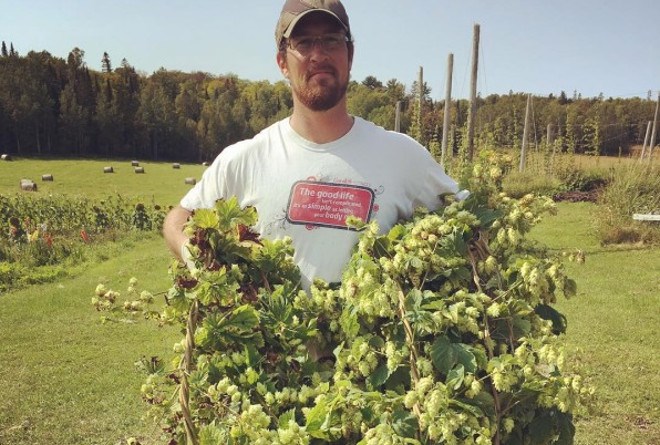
(442, 331)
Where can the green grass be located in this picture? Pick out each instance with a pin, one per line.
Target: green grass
(66, 377)
(160, 183)
(613, 330)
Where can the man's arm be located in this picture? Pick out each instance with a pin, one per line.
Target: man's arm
(173, 229)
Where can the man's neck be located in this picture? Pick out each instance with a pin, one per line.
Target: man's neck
(321, 127)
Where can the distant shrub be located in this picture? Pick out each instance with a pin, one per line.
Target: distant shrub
(634, 189)
(575, 178)
(517, 184)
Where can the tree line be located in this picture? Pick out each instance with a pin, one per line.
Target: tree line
(55, 107)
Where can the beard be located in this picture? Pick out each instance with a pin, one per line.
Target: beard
(320, 95)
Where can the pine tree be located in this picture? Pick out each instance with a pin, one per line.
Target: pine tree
(4, 49)
(12, 52)
(106, 65)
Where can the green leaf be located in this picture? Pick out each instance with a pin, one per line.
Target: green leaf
(481, 357)
(244, 318)
(456, 376)
(443, 354)
(315, 419)
(381, 247)
(349, 322)
(521, 326)
(465, 357)
(404, 423)
(484, 401)
(231, 214)
(204, 219)
(287, 416)
(378, 377)
(252, 355)
(464, 405)
(559, 321)
(211, 435)
(486, 216)
(396, 232)
(541, 429)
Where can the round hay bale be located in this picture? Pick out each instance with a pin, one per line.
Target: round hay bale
(6, 157)
(176, 165)
(108, 170)
(47, 177)
(28, 185)
(205, 164)
(139, 169)
(191, 181)
(135, 163)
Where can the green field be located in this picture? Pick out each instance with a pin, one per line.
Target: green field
(612, 329)
(69, 379)
(160, 183)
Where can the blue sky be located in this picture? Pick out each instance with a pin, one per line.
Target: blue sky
(531, 46)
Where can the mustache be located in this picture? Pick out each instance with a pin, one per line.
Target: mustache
(324, 68)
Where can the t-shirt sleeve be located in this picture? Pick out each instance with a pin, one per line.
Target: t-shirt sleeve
(209, 189)
(432, 182)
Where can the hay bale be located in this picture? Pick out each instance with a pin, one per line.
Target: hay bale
(191, 181)
(135, 163)
(47, 177)
(176, 165)
(139, 169)
(6, 157)
(108, 170)
(205, 164)
(28, 185)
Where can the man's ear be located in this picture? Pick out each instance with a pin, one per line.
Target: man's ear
(281, 62)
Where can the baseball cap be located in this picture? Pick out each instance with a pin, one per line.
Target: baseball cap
(294, 10)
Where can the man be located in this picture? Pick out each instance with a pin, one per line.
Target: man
(306, 174)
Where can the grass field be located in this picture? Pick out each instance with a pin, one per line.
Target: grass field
(160, 183)
(612, 329)
(68, 379)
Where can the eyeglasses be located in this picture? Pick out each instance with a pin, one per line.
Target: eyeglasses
(328, 42)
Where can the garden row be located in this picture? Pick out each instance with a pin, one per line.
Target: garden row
(39, 234)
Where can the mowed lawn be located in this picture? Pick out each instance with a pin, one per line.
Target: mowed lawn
(69, 379)
(613, 328)
(66, 377)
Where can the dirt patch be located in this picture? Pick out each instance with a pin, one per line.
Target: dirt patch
(577, 196)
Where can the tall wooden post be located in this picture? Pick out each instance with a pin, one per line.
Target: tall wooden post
(655, 125)
(420, 96)
(472, 116)
(445, 121)
(397, 117)
(523, 150)
(646, 140)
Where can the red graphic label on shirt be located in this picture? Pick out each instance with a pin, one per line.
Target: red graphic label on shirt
(328, 205)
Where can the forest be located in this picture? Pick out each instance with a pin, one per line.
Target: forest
(55, 107)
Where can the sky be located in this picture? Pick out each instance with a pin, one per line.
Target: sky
(540, 47)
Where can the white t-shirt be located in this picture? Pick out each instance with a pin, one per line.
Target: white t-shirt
(306, 190)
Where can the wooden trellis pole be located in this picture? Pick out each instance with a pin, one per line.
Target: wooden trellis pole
(472, 116)
(445, 121)
(523, 150)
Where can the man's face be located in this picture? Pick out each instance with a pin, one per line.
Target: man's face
(319, 76)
